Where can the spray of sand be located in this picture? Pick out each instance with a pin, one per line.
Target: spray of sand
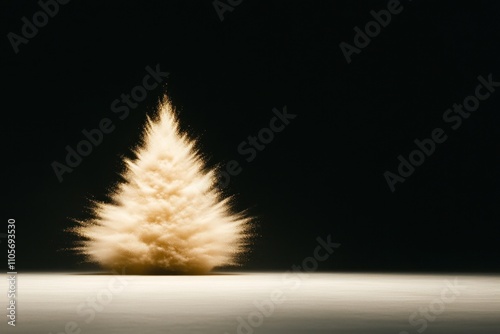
(168, 215)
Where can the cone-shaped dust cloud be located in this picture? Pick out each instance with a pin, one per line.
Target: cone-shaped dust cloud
(167, 216)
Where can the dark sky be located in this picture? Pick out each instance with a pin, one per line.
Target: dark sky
(322, 175)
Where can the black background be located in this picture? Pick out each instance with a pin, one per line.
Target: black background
(323, 175)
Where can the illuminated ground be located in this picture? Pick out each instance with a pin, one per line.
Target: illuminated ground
(228, 303)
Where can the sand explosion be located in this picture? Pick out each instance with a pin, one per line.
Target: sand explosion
(167, 216)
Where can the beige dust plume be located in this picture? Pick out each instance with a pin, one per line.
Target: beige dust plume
(168, 215)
